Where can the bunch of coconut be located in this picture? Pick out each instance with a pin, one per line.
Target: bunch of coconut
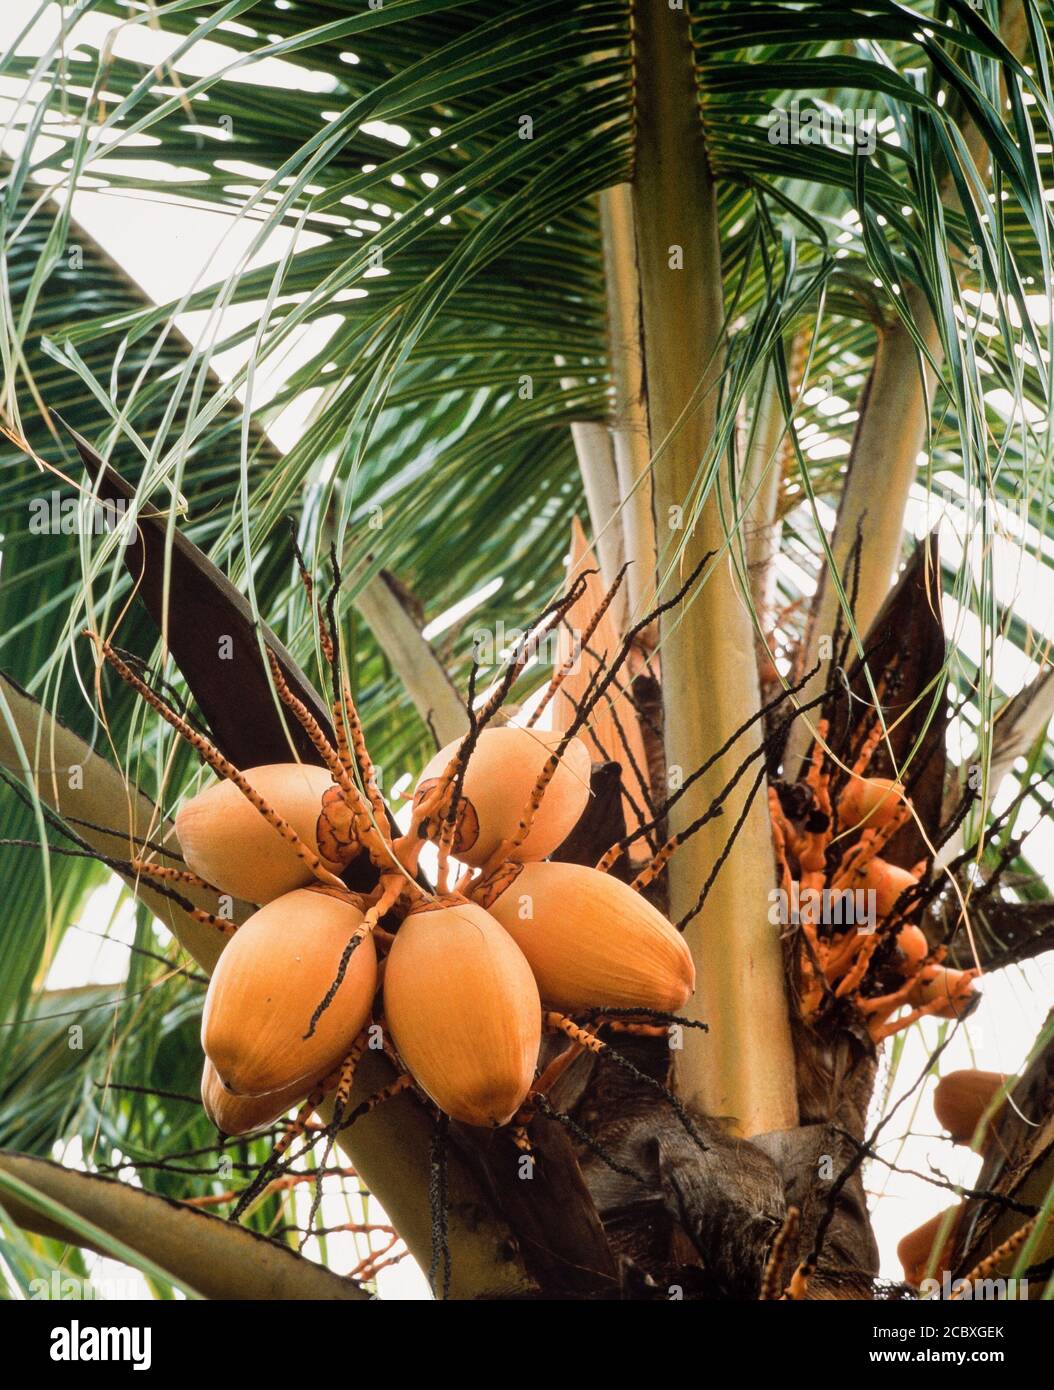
(461, 989)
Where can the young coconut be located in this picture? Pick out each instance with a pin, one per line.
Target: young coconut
(962, 1098)
(913, 947)
(268, 984)
(889, 881)
(501, 775)
(244, 1114)
(951, 990)
(463, 1010)
(916, 1248)
(869, 801)
(593, 942)
(226, 840)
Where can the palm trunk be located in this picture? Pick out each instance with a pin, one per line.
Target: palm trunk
(629, 430)
(744, 1067)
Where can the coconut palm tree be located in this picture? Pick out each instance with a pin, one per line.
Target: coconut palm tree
(756, 293)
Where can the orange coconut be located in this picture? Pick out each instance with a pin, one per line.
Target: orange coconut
(500, 777)
(226, 840)
(953, 989)
(962, 1098)
(462, 1007)
(267, 984)
(913, 947)
(592, 941)
(888, 881)
(871, 801)
(915, 1249)
(243, 1114)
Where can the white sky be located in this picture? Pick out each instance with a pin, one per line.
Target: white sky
(164, 247)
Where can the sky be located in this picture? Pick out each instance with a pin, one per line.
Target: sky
(1015, 1002)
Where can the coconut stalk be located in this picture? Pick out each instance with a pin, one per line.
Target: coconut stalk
(744, 1067)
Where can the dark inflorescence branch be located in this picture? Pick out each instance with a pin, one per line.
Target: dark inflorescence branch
(193, 975)
(935, 1179)
(147, 1091)
(586, 1139)
(154, 845)
(119, 866)
(719, 862)
(331, 993)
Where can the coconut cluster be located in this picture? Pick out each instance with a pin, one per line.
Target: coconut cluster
(867, 950)
(459, 981)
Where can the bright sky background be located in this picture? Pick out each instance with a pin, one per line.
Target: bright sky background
(164, 246)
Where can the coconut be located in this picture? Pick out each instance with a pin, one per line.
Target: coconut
(593, 942)
(953, 989)
(869, 801)
(267, 985)
(243, 1114)
(962, 1098)
(914, 948)
(463, 1010)
(915, 1249)
(888, 881)
(501, 775)
(226, 840)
